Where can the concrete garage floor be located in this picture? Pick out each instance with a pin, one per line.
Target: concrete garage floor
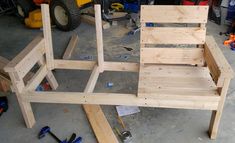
(151, 125)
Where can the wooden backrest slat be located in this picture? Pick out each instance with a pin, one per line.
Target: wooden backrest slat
(174, 14)
(172, 55)
(173, 35)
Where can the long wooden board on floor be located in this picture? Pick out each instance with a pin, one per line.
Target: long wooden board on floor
(95, 115)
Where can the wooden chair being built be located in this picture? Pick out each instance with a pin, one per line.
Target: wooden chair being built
(187, 78)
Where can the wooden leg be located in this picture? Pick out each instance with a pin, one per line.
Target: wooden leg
(25, 106)
(216, 115)
(27, 112)
(214, 124)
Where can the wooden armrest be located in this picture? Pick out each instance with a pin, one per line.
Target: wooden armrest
(216, 62)
(27, 58)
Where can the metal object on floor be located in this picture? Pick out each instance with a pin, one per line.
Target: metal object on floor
(47, 130)
(126, 136)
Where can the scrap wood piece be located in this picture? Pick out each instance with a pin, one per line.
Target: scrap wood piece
(91, 20)
(72, 44)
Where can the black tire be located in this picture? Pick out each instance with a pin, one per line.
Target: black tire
(24, 7)
(71, 10)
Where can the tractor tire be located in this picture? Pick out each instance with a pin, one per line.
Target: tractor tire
(65, 14)
(24, 7)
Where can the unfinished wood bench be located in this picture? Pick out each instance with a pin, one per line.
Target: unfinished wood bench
(195, 77)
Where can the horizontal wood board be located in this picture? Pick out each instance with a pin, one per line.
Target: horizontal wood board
(174, 14)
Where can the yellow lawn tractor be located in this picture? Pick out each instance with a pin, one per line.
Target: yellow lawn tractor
(65, 14)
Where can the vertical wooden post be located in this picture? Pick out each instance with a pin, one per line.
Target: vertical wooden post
(25, 107)
(216, 115)
(99, 37)
(47, 35)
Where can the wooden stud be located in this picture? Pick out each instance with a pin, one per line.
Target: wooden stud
(122, 99)
(89, 65)
(72, 44)
(121, 66)
(99, 37)
(74, 64)
(47, 36)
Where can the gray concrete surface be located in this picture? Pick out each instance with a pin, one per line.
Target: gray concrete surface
(151, 125)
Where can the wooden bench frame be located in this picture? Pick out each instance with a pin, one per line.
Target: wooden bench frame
(40, 51)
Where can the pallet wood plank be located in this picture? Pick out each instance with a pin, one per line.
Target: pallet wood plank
(173, 35)
(174, 14)
(172, 55)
